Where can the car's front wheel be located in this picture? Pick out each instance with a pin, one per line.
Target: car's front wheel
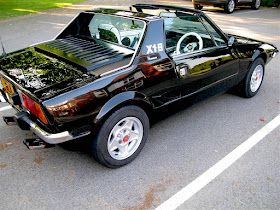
(256, 4)
(121, 137)
(252, 82)
(197, 6)
(229, 6)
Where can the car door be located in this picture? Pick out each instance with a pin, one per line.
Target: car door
(199, 66)
(161, 82)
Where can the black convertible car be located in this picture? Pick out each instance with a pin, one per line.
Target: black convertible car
(109, 69)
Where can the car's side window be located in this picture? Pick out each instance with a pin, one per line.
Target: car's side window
(185, 33)
(217, 37)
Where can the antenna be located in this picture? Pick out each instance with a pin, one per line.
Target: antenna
(3, 49)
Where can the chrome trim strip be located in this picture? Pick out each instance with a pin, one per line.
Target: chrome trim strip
(197, 52)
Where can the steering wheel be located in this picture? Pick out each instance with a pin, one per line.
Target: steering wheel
(190, 46)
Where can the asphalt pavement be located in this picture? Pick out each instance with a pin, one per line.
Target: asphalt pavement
(181, 146)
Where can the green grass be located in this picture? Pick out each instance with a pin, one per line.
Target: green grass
(12, 8)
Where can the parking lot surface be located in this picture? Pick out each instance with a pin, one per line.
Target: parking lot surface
(182, 145)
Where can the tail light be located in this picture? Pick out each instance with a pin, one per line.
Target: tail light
(34, 108)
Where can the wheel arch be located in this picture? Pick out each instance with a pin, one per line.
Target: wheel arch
(260, 53)
(121, 100)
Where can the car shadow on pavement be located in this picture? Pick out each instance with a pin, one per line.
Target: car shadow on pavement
(77, 145)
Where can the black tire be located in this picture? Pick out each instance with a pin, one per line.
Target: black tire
(197, 6)
(227, 8)
(244, 87)
(99, 146)
(256, 4)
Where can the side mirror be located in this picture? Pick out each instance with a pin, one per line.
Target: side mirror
(231, 41)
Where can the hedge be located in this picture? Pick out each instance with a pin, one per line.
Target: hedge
(270, 3)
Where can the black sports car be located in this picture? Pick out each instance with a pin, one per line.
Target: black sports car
(228, 5)
(109, 69)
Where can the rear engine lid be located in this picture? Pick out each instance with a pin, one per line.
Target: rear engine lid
(41, 75)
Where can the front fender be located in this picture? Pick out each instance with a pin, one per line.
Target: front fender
(266, 51)
(129, 97)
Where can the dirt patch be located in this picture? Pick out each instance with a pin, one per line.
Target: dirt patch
(3, 165)
(5, 145)
(38, 159)
(262, 119)
(270, 179)
(151, 196)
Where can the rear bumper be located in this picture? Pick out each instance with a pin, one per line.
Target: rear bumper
(25, 123)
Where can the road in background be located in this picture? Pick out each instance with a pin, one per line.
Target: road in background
(180, 148)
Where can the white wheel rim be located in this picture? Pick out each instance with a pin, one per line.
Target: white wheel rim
(125, 138)
(258, 3)
(256, 78)
(231, 5)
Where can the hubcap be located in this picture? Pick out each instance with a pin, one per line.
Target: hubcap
(125, 138)
(258, 3)
(231, 5)
(256, 78)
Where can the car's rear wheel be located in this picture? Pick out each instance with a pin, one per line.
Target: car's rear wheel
(252, 82)
(121, 137)
(256, 4)
(197, 6)
(229, 6)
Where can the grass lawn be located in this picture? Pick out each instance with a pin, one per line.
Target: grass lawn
(12, 8)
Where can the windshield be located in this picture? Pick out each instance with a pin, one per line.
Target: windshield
(122, 31)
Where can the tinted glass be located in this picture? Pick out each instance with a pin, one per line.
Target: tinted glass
(178, 25)
(118, 30)
(217, 37)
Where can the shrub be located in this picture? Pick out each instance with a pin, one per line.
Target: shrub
(270, 3)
